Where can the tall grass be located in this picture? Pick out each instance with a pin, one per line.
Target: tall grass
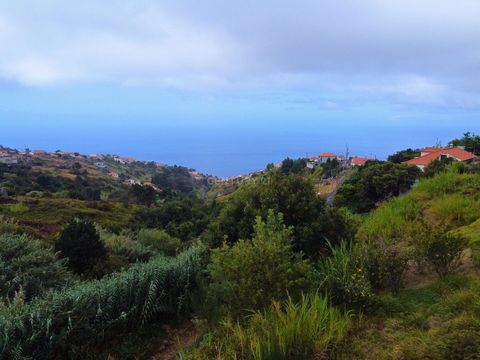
(286, 330)
(68, 323)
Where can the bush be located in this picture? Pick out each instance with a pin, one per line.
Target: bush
(344, 280)
(124, 246)
(68, 324)
(284, 331)
(159, 240)
(443, 251)
(27, 268)
(8, 226)
(80, 242)
(250, 274)
(386, 263)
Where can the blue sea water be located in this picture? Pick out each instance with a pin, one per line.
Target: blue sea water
(229, 148)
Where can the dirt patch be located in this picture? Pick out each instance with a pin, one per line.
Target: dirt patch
(178, 339)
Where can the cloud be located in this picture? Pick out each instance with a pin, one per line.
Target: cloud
(415, 51)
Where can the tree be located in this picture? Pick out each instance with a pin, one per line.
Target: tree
(375, 182)
(292, 195)
(403, 155)
(250, 274)
(470, 141)
(80, 242)
(290, 166)
(146, 195)
(437, 166)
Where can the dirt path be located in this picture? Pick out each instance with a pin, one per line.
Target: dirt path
(180, 338)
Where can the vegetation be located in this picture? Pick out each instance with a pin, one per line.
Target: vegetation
(470, 141)
(80, 243)
(72, 322)
(374, 183)
(403, 155)
(265, 267)
(249, 274)
(28, 269)
(288, 330)
(293, 196)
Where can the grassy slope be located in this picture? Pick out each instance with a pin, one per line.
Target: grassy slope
(441, 320)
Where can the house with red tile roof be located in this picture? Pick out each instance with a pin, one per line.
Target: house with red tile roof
(113, 174)
(358, 161)
(432, 154)
(324, 157)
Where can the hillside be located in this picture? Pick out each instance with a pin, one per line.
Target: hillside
(377, 261)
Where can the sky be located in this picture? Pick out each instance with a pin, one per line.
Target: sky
(229, 86)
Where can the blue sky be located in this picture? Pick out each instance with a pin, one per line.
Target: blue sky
(227, 86)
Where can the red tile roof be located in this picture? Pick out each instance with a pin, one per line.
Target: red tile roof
(327, 154)
(359, 161)
(454, 152)
(430, 149)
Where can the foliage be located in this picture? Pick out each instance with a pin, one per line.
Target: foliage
(290, 166)
(175, 179)
(144, 194)
(182, 217)
(249, 274)
(386, 262)
(403, 155)
(437, 166)
(8, 226)
(292, 195)
(285, 331)
(124, 246)
(443, 250)
(80, 242)
(438, 321)
(70, 323)
(344, 280)
(470, 141)
(372, 184)
(27, 269)
(159, 240)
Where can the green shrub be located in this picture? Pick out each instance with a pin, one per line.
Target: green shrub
(124, 246)
(27, 268)
(159, 240)
(80, 242)
(344, 279)
(443, 250)
(68, 324)
(386, 263)
(8, 226)
(251, 273)
(18, 208)
(284, 331)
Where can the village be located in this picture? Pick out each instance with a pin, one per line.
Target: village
(109, 165)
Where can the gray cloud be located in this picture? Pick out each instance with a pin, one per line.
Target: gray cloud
(421, 51)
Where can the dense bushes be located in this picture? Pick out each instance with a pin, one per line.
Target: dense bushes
(68, 323)
(294, 197)
(159, 240)
(374, 183)
(249, 274)
(443, 250)
(343, 278)
(286, 331)
(27, 269)
(80, 242)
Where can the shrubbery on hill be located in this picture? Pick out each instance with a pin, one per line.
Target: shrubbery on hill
(370, 185)
(80, 243)
(28, 269)
(252, 273)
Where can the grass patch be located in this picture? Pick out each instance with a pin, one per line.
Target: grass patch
(440, 321)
